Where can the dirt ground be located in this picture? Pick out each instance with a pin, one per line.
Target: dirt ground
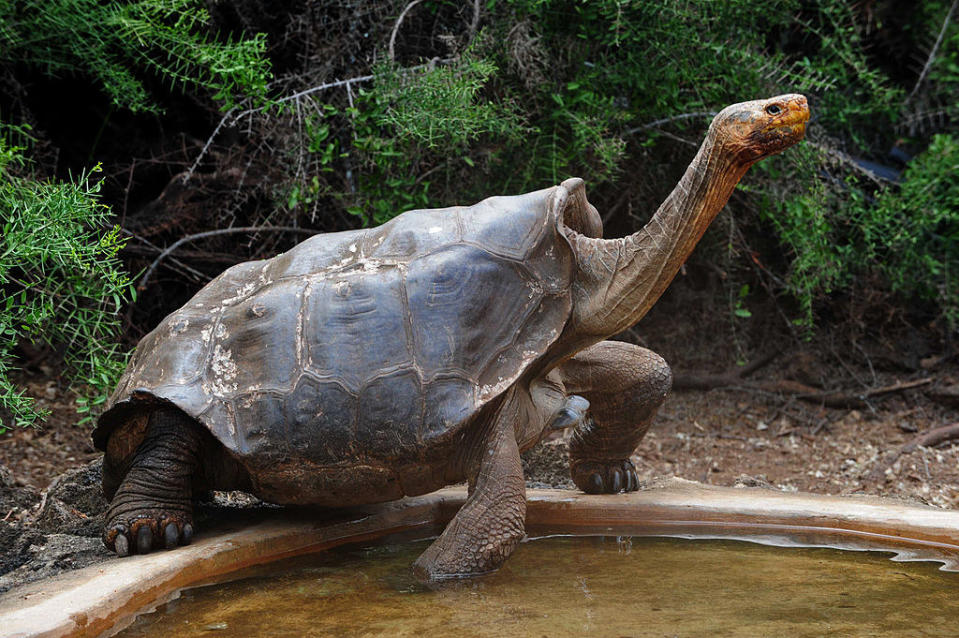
(721, 437)
(35, 456)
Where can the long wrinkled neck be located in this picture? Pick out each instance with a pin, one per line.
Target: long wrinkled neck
(621, 279)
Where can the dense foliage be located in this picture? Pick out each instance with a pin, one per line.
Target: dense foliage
(62, 285)
(379, 107)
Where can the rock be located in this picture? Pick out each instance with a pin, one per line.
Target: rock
(74, 503)
(56, 531)
(16, 505)
(16, 500)
(47, 555)
(547, 465)
(760, 480)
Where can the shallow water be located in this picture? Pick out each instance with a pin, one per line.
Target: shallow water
(578, 586)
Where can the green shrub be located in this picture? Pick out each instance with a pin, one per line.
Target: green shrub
(554, 88)
(62, 284)
(121, 43)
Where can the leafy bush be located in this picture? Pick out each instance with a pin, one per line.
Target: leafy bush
(414, 123)
(907, 233)
(61, 283)
(116, 42)
(606, 89)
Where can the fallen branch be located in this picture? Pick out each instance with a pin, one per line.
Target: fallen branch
(724, 380)
(933, 437)
(843, 399)
(799, 390)
(212, 233)
(929, 438)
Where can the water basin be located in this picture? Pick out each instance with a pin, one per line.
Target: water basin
(106, 598)
(578, 586)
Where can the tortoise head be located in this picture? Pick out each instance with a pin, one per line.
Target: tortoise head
(753, 130)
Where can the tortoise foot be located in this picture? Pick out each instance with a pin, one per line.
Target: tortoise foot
(145, 532)
(612, 477)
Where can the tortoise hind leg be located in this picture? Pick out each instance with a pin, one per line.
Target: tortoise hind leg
(153, 506)
(491, 523)
(625, 385)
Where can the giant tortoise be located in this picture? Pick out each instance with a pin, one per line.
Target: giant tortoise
(369, 365)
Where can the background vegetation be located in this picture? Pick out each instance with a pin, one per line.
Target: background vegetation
(331, 115)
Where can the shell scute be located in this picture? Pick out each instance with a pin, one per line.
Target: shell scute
(449, 291)
(356, 326)
(262, 330)
(389, 408)
(416, 233)
(320, 420)
(447, 400)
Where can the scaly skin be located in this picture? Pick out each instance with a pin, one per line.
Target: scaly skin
(153, 507)
(491, 523)
(625, 386)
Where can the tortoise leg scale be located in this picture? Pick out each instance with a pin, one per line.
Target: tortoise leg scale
(492, 522)
(625, 385)
(153, 506)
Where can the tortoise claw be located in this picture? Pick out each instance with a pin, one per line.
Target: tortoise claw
(595, 484)
(615, 480)
(121, 545)
(609, 477)
(171, 535)
(144, 533)
(144, 539)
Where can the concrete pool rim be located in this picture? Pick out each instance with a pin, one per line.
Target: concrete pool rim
(104, 598)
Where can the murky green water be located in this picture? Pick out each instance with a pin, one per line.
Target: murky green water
(580, 587)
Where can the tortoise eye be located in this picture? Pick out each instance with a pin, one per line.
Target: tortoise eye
(774, 109)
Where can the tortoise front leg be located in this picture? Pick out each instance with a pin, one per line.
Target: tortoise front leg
(491, 523)
(625, 385)
(153, 506)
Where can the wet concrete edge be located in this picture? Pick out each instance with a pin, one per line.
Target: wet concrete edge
(106, 597)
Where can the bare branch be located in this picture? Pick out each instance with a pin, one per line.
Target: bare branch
(212, 233)
(206, 147)
(156, 249)
(396, 28)
(667, 120)
(932, 54)
(476, 17)
(304, 92)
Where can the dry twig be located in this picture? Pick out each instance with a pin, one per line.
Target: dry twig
(932, 53)
(212, 233)
(929, 438)
(830, 399)
(396, 28)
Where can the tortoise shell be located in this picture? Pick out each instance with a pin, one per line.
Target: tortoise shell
(376, 343)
